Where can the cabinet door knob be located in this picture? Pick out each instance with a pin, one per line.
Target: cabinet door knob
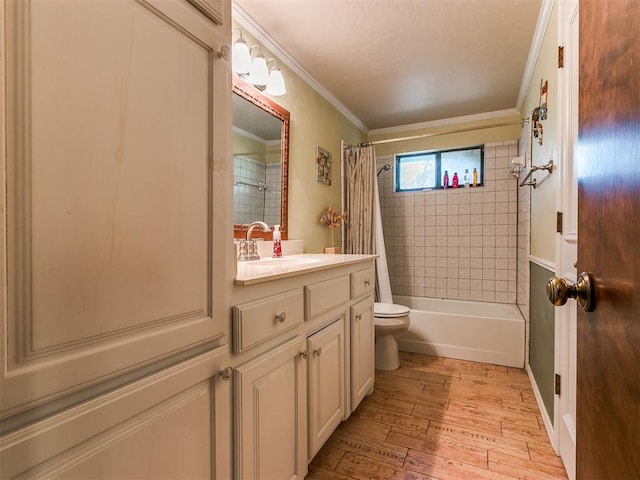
(367, 282)
(359, 317)
(225, 373)
(281, 317)
(304, 354)
(224, 53)
(318, 352)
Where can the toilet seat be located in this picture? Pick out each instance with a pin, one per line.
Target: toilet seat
(390, 310)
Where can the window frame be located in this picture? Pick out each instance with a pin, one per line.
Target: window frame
(438, 164)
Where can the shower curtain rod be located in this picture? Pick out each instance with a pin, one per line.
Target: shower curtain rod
(435, 134)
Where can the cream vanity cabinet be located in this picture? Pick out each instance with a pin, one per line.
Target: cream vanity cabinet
(292, 377)
(116, 119)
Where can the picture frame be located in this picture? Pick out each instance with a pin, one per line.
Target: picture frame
(323, 166)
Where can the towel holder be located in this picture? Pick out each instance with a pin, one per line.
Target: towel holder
(534, 168)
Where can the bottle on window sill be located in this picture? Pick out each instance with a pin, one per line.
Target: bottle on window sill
(445, 180)
(454, 183)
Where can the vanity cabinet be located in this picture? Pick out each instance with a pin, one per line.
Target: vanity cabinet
(303, 346)
(326, 383)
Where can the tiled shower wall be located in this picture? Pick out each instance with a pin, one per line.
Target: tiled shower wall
(251, 203)
(455, 243)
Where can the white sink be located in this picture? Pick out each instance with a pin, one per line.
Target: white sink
(282, 262)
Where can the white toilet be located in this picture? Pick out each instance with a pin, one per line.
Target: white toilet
(390, 322)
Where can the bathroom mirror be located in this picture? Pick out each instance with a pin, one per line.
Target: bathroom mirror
(260, 160)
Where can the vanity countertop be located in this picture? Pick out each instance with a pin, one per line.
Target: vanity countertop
(267, 269)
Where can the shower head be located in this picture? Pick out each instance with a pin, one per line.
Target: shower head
(385, 168)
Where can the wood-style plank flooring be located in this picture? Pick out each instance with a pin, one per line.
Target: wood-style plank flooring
(440, 418)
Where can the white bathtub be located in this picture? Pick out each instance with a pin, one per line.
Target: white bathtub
(478, 331)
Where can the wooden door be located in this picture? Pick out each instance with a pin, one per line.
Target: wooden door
(608, 381)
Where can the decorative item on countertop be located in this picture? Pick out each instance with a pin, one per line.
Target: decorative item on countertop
(277, 242)
(323, 166)
(332, 219)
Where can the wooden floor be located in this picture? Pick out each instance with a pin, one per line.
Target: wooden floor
(439, 418)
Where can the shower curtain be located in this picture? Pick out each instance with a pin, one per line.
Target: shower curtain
(360, 178)
(363, 232)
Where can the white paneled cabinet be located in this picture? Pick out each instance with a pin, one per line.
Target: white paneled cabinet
(271, 414)
(116, 166)
(326, 383)
(171, 424)
(117, 128)
(301, 371)
(362, 350)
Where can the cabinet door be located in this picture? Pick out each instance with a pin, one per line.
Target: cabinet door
(117, 131)
(362, 350)
(271, 414)
(326, 383)
(172, 424)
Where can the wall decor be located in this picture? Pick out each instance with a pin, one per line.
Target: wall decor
(323, 166)
(540, 112)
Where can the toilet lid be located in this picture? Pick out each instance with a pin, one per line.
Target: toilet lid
(389, 310)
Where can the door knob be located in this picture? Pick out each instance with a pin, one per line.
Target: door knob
(559, 291)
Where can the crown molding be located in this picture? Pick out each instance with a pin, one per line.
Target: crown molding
(534, 51)
(447, 121)
(247, 22)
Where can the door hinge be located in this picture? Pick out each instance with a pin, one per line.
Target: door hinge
(560, 57)
(559, 222)
(557, 384)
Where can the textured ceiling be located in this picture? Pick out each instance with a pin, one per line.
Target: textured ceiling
(398, 62)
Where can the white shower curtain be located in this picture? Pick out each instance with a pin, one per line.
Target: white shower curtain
(364, 221)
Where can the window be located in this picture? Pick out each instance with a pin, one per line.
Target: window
(426, 170)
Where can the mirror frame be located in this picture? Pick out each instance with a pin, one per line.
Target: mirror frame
(254, 96)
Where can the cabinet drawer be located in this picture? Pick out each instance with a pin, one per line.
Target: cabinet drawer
(363, 282)
(323, 296)
(260, 320)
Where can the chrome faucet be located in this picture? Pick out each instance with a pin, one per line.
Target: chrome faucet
(248, 247)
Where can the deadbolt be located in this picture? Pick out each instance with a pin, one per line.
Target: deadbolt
(559, 291)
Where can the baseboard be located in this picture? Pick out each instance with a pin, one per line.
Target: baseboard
(543, 411)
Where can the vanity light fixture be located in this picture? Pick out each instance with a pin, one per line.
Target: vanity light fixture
(256, 70)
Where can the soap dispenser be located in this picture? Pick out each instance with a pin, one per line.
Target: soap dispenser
(277, 245)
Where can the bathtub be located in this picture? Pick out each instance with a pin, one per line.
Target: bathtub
(478, 331)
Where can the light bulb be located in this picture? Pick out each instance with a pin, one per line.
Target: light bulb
(275, 86)
(259, 74)
(241, 58)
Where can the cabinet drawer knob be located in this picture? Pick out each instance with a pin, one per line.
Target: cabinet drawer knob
(367, 283)
(359, 317)
(225, 373)
(304, 354)
(318, 352)
(281, 317)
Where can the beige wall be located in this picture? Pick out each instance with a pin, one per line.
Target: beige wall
(543, 197)
(314, 122)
